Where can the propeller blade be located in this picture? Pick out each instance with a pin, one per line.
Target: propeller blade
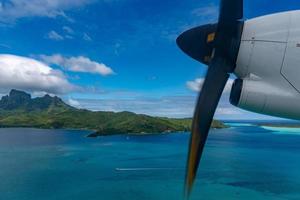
(216, 45)
(230, 12)
(209, 97)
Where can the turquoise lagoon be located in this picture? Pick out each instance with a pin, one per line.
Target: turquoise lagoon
(242, 162)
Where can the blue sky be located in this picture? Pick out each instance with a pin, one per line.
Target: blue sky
(112, 54)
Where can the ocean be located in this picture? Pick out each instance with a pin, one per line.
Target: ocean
(241, 162)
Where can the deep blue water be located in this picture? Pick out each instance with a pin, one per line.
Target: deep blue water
(242, 162)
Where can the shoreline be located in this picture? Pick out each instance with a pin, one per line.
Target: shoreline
(95, 133)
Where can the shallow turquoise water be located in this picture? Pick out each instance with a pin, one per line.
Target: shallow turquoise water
(244, 162)
(283, 130)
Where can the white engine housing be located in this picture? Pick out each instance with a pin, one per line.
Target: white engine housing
(269, 64)
(261, 97)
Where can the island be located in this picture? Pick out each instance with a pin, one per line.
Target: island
(19, 109)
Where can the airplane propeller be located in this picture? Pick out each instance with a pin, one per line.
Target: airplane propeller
(217, 46)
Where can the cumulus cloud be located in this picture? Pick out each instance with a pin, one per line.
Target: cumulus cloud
(230, 110)
(53, 35)
(74, 102)
(66, 33)
(165, 106)
(78, 64)
(31, 75)
(11, 10)
(225, 110)
(86, 37)
(68, 30)
(197, 84)
(209, 12)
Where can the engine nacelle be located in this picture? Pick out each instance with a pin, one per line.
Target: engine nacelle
(268, 66)
(261, 97)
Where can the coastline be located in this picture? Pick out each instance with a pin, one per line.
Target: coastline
(95, 133)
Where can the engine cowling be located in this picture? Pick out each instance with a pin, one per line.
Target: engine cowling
(265, 98)
(268, 66)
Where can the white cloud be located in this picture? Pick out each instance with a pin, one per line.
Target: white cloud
(31, 75)
(11, 10)
(5, 46)
(68, 30)
(70, 37)
(197, 84)
(165, 106)
(74, 102)
(221, 111)
(86, 37)
(67, 33)
(208, 13)
(78, 64)
(54, 36)
(171, 106)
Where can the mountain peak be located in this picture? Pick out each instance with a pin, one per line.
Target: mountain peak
(47, 96)
(19, 94)
(14, 100)
(20, 100)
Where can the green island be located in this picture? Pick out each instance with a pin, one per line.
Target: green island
(18, 109)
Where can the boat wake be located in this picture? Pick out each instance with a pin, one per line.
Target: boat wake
(146, 169)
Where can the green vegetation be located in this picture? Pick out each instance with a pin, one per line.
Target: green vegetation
(18, 109)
